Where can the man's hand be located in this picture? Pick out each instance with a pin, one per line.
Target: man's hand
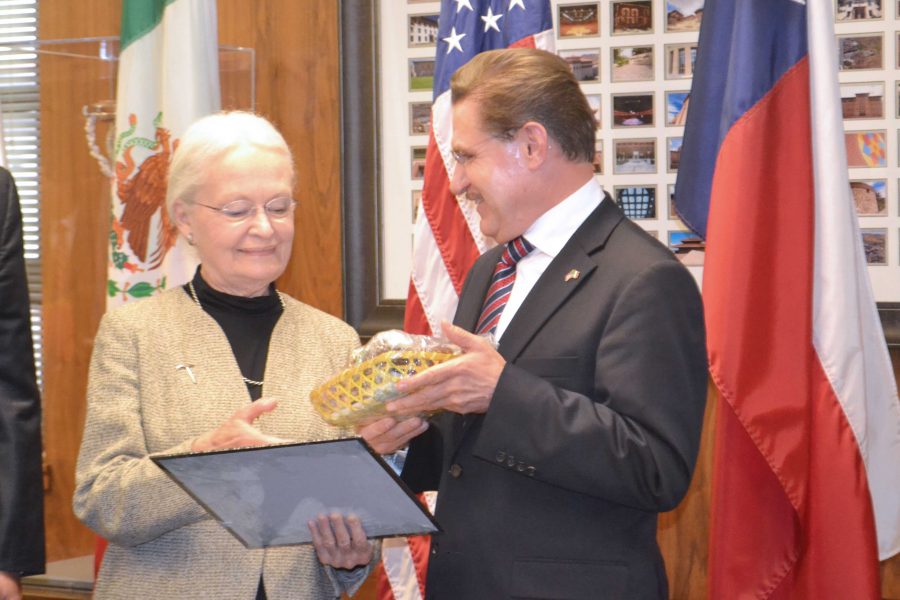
(10, 587)
(238, 430)
(340, 542)
(462, 385)
(387, 435)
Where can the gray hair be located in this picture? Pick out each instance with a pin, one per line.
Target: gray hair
(209, 139)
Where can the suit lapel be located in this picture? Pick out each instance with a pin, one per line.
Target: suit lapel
(555, 286)
(545, 298)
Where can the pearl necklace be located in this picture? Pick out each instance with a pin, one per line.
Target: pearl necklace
(193, 292)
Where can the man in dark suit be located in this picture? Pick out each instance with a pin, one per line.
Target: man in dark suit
(21, 489)
(555, 452)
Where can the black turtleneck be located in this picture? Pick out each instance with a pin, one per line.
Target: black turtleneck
(247, 323)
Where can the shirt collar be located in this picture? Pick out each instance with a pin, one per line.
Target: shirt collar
(550, 232)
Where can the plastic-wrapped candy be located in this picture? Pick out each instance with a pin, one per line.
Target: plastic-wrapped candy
(358, 393)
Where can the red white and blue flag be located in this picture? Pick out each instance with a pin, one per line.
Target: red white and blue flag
(807, 443)
(447, 239)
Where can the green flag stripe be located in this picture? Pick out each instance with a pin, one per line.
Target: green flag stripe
(139, 17)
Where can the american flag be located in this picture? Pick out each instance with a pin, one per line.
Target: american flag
(447, 239)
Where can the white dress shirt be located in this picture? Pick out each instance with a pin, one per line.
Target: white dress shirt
(549, 233)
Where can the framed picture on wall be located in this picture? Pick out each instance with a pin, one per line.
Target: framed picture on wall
(857, 10)
(598, 157)
(680, 60)
(631, 63)
(875, 245)
(594, 102)
(687, 247)
(673, 152)
(631, 16)
(637, 202)
(585, 63)
(421, 74)
(423, 30)
(634, 155)
(862, 100)
(869, 197)
(632, 110)
(677, 108)
(683, 15)
(578, 20)
(859, 52)
(866, 149)
(419, 118)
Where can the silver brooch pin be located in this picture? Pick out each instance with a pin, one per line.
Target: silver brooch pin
(573, 274)
(189, 371)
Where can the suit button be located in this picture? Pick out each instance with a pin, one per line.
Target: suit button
(529, 471)
(510, 461)
(455, 471)
(501, 456)
(520, 467)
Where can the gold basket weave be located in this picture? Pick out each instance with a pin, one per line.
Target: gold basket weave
(359, 392)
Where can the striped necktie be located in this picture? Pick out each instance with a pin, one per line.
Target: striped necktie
(501, 284)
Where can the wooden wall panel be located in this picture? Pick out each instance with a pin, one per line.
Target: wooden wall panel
(74, 221)
(297, 81)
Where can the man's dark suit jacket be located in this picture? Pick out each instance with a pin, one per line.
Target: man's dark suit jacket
(593, 428)
(21, 489)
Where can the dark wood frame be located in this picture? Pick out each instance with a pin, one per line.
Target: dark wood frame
(364, 306)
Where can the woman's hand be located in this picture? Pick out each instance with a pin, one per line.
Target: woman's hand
(238, 431)
(341, 542)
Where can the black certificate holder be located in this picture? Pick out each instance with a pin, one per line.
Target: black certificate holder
(266, 495)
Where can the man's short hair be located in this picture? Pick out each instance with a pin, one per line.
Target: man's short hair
(517, 85)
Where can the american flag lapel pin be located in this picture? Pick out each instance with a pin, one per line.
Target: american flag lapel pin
(573, 274)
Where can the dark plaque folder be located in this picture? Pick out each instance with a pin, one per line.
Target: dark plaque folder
(265, 496)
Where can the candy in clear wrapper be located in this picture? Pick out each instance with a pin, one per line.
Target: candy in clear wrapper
(358, 393)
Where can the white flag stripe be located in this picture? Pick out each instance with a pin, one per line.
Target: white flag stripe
(847, 333)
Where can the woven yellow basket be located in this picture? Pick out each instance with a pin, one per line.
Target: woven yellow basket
(359, 392)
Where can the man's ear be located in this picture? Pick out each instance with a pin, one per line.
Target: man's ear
(534, 144)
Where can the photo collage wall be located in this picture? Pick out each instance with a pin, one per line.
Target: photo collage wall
(634, 60)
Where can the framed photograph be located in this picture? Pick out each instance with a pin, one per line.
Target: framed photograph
(629, 17)
(598, 157)
(416, 203)
(866, 149)
(670, 191)
(637, 202)
(860, 52)
(423, 30)
(875, 245)
(869, 197)
(585, 63)
(419, 118)
(417, 162)
(683, 15)
(631, 63)
(677, 108)
(680, 59)
(594, 101)
(421, 74)
(897, 96)
(673, 151)
(862, 100)
(687, 247)
(578, 20)
(632, 110)
(857, 10)
(634, 156)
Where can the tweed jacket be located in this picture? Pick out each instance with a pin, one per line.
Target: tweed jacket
(162, 543)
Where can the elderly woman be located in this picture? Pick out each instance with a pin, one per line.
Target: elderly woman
(199, 368)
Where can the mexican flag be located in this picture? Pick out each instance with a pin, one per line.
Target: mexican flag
(168, 77)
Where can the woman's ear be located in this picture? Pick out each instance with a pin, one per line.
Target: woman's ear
(182, 218)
